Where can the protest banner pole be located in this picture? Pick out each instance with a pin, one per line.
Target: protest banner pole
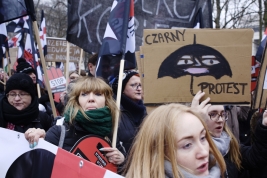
(67, 64)
(80, 62)
(36, 32)
(118, 103)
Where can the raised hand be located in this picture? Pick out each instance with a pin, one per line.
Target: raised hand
(201, 108)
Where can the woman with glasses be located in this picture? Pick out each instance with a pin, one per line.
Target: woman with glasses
(132, 108)
(19, 108)
(238, 158)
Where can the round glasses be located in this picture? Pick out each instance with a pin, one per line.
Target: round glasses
(14, 95)
(136, 85)
(216, 116)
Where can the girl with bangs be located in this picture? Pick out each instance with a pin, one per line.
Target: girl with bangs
(90, 110)
(173, 142)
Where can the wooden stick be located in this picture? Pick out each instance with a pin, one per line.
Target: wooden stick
(67, 64)
(36, 32)
(118, 103)
(38, 90)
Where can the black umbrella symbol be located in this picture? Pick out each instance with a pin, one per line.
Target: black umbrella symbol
(195, 60)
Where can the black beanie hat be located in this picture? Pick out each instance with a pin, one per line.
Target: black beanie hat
(22, 82)
(125, 78)
(24, 67)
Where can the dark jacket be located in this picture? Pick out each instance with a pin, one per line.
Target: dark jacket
(132, 115)
(72, 135)
(43, 121)
(37, 119)
(252, 157)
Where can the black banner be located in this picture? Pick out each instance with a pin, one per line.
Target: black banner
(13, 9)
(87, 20)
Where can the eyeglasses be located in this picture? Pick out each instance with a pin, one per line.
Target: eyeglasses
(136, 85)
(14, 95)
(216, 116)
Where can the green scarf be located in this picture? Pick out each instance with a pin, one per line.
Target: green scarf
(100, 122)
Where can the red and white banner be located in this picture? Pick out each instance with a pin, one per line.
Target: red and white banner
(17, 159)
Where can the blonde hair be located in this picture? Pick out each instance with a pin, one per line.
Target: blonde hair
(87, 85)
(156, 142)
(234, 151)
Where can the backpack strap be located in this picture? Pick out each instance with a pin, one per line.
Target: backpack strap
(62, 136)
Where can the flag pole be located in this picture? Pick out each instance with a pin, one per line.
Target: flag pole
(36, 30)
(118, 103)
(80, 61)
(67, 64)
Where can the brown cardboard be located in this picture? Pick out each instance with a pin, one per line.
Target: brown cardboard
(260, 95)
(57, 50)
(142, 67)
(233, 87)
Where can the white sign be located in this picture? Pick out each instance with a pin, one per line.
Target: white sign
(57, 82)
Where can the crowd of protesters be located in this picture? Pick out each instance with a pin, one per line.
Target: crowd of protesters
(172, 141)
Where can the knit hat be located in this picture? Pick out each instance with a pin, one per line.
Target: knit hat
(20, 81)
(125, 78)
(24, 67)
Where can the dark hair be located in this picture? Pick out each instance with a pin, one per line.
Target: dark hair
(93, 59)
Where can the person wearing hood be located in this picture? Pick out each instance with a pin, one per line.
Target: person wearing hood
(19, 107)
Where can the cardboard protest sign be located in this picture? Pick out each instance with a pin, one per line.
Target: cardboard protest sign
(180, 62)
(57, 50)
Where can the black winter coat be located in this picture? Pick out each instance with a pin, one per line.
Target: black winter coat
(43, 121)
(252, 157)
(72, 135)
(131, 117)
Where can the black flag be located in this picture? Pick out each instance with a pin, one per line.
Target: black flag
(13, 9)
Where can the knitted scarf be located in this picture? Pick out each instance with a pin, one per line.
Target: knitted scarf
(10, 114)
(99, 122)
(213, 172)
